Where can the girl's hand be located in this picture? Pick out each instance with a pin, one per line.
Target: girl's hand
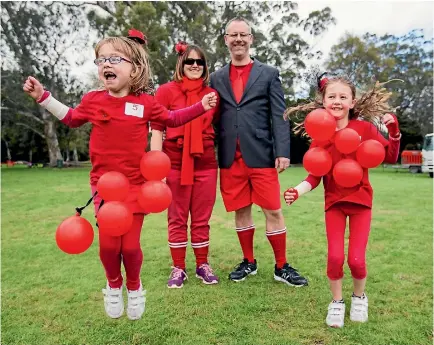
(391, 122)
(33, 88)
(290, 195)
(209, 101)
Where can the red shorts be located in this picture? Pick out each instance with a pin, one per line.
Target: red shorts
(131, 199)
(241, 186)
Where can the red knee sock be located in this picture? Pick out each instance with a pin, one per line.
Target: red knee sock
(277, 240)
(245, 236)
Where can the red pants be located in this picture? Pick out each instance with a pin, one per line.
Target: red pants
(126, 248)
(241, 186)
(197, 200)
(360, 225)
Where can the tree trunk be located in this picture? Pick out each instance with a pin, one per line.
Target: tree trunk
(75, 155)
(51, 138)
(8, 152)
(31, 155)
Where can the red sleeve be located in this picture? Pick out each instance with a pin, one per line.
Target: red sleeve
(392, 145)
(313, 180)
(162, 97)
(175, 118)
(79, 115)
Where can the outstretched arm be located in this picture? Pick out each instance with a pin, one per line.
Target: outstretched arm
(64, 113)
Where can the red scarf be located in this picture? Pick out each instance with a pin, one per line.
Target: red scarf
(193, 144)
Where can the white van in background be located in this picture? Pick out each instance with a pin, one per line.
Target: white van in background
(427, 157)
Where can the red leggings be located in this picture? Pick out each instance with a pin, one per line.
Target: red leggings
(196, 200)
(360, 225)
(126, 248)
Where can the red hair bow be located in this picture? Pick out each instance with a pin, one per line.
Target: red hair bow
(137, 36)
(322, 83)
(181, 47)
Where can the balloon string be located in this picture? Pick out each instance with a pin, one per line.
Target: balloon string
(80, 209)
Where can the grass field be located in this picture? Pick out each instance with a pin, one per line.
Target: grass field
(51, 298)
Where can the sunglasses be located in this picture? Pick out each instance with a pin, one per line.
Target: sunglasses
(190, 62)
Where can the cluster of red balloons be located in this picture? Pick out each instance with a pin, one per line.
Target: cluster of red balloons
(155, 196)
(75, 234)
(321, 126)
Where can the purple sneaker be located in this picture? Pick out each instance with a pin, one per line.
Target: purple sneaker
(176, 278)
(205, 273)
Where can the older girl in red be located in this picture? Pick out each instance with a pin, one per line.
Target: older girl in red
(193, 177)
(338, 96)
(119, 115)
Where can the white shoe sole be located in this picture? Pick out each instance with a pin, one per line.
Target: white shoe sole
(134, 318)
(205, 282)
(335, 325)
(116, 316)
(358, 320)
(243, 279)
(277, 278)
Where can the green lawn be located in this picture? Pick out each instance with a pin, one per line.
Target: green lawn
(49, 297)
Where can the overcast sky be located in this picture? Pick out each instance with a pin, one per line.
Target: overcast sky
(356, 17)
(376, 17)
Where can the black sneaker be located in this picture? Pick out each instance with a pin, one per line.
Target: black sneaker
(243, 270)
(289, 275)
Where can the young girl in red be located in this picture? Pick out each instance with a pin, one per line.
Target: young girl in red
(337, 96)
(193, 177)
(119, 115)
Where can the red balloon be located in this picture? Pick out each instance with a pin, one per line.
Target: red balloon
(74, 235)
(113, 186)
(114, 218)
(347, 140)
(347, 173)
(320, 125)
(154, 196)
(370, 153)
(155, 165)
(317, 161)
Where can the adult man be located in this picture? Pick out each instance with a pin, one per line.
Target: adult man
(253, 142)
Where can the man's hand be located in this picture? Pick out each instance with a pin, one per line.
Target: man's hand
(281, 163)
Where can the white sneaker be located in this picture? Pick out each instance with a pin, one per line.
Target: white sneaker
(336, 315)
(359, 308)
(113, 302)
(136, 303)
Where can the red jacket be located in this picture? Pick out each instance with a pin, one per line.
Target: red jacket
(362, 193)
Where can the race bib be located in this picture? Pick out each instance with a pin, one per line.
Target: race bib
(133, 109)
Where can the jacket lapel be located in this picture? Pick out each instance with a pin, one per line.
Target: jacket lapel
(227, 82)
(254, 75)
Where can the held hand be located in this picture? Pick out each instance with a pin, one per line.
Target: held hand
(281, 163)
(209, 101)
(391, 122)
(290, 195)
(33, 88)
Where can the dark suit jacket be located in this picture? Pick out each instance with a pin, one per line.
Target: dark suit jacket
(257, 120)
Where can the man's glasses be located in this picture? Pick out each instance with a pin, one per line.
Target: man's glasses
(190, 62)
(114, 60)
(241, 34)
